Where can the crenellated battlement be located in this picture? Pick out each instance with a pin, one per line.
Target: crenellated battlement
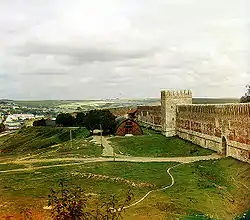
(218, 109)
(224, 128)
(176, 93)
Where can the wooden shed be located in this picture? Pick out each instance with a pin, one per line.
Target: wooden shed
(127, 126)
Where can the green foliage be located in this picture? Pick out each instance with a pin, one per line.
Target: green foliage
(40, 122)
(103, 118)
(156, 145)
(71, 203)
(65, 119)
(2, 127)
(80, 119)
(209, 176)
(245, 216)
(35, 138)
(246, 97)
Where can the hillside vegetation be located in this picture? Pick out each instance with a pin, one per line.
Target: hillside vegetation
(216, 189)
(153, 144)
(48, 141)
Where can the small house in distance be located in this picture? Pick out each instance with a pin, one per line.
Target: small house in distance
(127, 126)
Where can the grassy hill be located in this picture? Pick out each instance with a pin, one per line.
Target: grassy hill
(154, 144)
(48, 141)
(215, 189)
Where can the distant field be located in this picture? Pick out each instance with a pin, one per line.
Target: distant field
(73, 104)
(42, 103)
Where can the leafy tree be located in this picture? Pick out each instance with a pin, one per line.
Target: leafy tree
(65, 119)
(103, 118)
(246, 97)
(80, 119)
(2, 127)
(40, 122)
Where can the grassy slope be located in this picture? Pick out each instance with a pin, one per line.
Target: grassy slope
(156, 145)
(219, 189)
(48, 142)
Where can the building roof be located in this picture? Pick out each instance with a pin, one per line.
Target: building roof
(120, 120)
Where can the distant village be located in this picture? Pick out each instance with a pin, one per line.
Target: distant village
(14, 116)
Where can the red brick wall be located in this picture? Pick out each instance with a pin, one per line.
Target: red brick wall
(233, 121)
(149, 114)
(207, 124)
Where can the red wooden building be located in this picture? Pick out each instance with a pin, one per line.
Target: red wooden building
(127, 126)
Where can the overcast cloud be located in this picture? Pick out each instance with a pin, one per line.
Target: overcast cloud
(77, 49)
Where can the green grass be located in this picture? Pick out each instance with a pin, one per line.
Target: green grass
(49, 142)
(156, 145)
(217, 189)
(10, 166)
(42, 103)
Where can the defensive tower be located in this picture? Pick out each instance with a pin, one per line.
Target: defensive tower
(169, 100)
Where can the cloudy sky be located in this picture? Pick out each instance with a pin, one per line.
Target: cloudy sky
(81, 49)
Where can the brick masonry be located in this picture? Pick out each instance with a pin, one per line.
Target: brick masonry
(150, 116)
(224, 128)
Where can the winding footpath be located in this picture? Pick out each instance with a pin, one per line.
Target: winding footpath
(156, 190)
(107, 151)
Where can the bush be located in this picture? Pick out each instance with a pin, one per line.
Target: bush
(40, 122)
(71, 203)
(65, 119)
(2, 127)
(246, 97)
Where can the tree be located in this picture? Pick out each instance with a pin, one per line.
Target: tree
(103, 118)
(2, 127)
(65, 119)
(80, 119)
(246, 97)
(40, 122)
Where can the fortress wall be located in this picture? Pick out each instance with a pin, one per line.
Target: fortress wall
(120, 111)
(169, 100)
(149, 116)
(211, 126)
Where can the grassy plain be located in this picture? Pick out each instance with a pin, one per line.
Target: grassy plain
(153, 144)
(218, 189)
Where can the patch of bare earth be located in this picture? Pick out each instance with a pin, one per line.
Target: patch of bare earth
(113, 179)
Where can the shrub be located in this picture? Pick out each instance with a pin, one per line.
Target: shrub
(71, 203)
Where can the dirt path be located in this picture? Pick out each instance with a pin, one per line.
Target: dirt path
(78, 161)
(156, 190)
(107, 149)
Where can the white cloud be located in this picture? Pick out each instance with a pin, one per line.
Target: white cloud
(97, 49)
